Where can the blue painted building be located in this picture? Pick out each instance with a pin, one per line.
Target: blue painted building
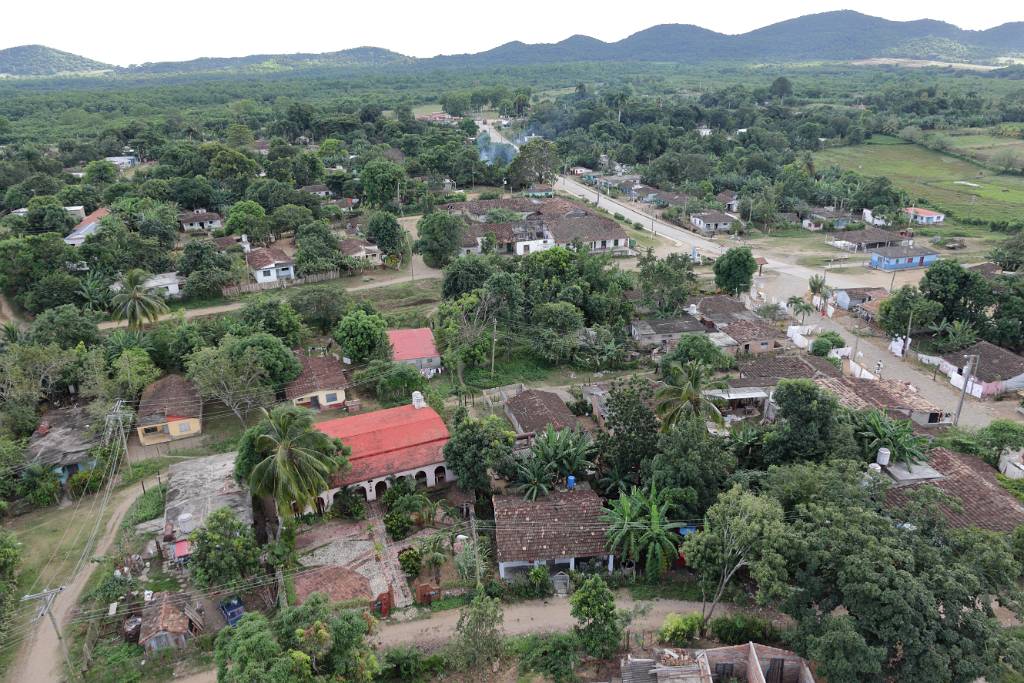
(902, 258)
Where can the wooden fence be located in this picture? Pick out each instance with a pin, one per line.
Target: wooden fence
(236, 290)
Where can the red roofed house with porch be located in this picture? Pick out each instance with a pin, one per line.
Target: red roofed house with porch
(415, 346)
(407, 441)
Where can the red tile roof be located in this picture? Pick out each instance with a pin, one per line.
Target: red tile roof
(986, 504)
(388, 441)
(319, 373)
(267, 256)
(93, 217)
(411, 344)
(561, 524)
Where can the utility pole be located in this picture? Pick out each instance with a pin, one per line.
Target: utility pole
(494, 343)
(892, 283)
(972, 361)
(906, 340)
(476, 545)
(48, 596)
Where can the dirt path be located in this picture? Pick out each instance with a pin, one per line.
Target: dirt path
(40, 659)
(534, 616)
(421, 270)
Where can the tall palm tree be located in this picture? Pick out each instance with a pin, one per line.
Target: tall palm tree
(300, 463)
(135, 302)
(684, 395)
(800, 307)
(565, 450)
(533, 478)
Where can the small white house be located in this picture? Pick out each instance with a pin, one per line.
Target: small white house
(270, 264)
(711, 222)
(123, 163)
(199, 220)
(167, 284)
(924, 216)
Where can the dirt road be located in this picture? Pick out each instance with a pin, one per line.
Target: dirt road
(382, 279)
(534, 616)
(40, 659)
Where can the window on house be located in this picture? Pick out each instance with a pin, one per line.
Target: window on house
(184, 427)
(331, 398)
(266, 273)
(150, 430)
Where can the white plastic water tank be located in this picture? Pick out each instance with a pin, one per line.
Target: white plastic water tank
(883, 457)
(418, 401)
(875, 467)
(692, 310)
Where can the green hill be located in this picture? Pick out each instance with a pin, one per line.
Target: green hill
(39, 60)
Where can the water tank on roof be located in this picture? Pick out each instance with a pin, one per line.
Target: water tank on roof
(570, 482)
(883, 457)
(418, 401)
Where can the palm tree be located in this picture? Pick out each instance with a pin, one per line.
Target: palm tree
(684, 394)
(533, 478)
(816, 283)
(136, 303)
(432, 554)
(95, 292)
(800, 307)
(566, 451)
(878, 430)
(301, 461)
(615, 478)
(120, 341)
(639, 530)
(12, 333)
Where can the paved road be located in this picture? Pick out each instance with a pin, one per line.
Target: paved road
(495, 134)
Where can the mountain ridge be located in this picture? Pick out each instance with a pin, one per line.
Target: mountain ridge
(828, 36)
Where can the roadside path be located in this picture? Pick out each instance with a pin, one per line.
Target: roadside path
(40, 659)
(422, 273)
(530, 617)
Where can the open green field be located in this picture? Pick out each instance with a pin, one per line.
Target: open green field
(956, 186)
(979, 144)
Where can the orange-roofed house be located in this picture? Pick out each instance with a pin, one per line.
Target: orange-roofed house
(88, 226)
(407, 441)
(415, 346)
(924, 216)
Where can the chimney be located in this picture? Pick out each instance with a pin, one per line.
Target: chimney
(883, 457)
(417, 400)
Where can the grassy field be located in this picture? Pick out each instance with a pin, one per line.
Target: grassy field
(955, 185)
(978, 144)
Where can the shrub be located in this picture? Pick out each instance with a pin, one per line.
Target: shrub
(149, 505)
(540, 580)
(410, 561)
(619, 216)
(409, 664)
(679, 629)
(638, 225)
(490, 194)
(348, 505)
(553, 656)
(827, 341)
(743, 628)
(82, 483)
(397, 525)
(119, 663)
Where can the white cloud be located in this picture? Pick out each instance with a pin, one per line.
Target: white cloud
(122, 32)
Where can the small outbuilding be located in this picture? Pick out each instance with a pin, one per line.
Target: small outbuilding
(531, 411)
(168, 621)
(903, 258)
(64, 441)
(170, 409)
(320, 385)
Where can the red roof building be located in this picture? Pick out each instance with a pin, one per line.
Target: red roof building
(403, 441)
(415, 346)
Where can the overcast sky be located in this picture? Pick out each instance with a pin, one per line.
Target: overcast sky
(123, 32)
